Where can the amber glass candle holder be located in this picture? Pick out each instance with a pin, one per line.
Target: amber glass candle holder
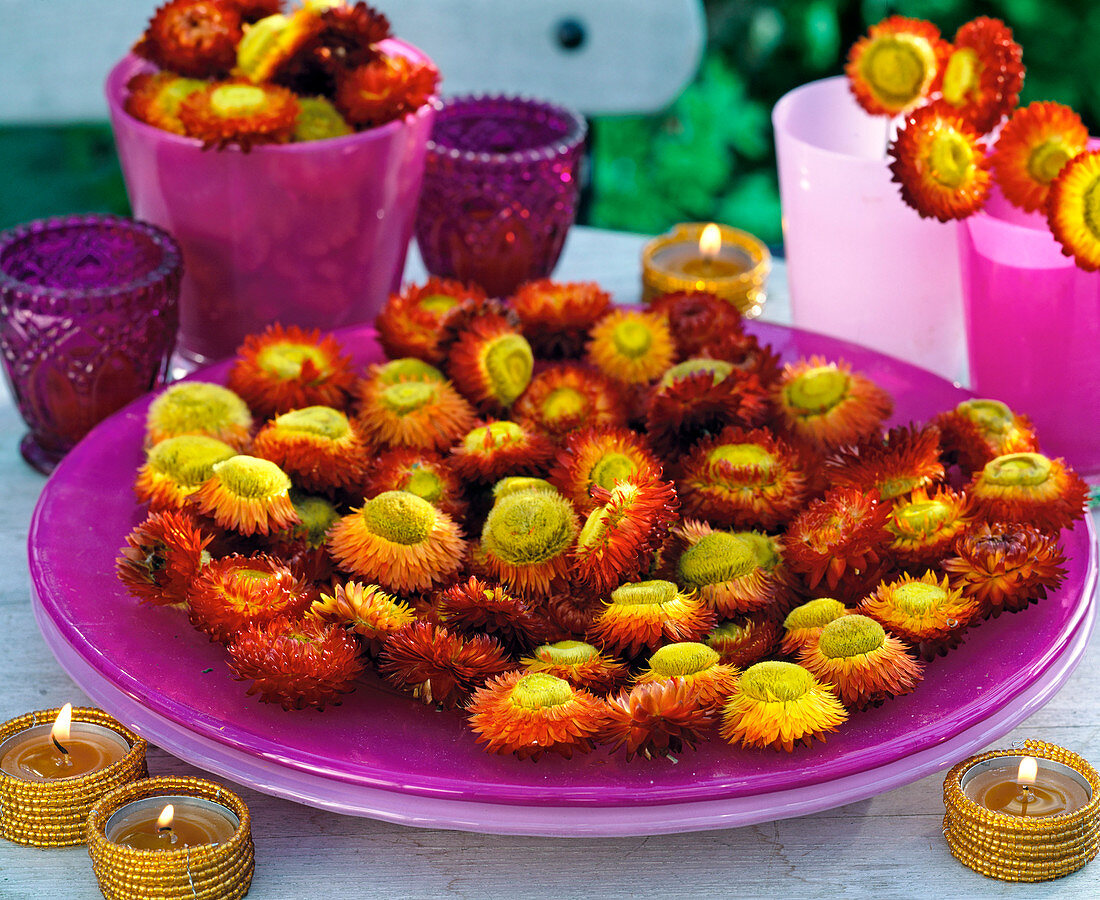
(1015, 847)
(55, 813)
(736, 272)
(215, 871)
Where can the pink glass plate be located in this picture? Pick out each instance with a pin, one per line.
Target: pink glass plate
(383, 755)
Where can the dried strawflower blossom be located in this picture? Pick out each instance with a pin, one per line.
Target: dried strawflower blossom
(438, 667)
(699, 322)
(698, 665)
(525, 539)
(557, 316)
(269, 44)
(924, 526)
(478, 607)
(318, 120)
(565, 397)
(581, 664)
(927, 612)
(940, 162)
(176, 467)
(198, 407)
(982, 76)
(826, 404)
(411, 322)
(779, 705)
(532, 713)
(644, 615)
(420, 472)
(247, 495)
(412, 412)
(632, 347)
(1032, 148)
(1029, 488)
(197, 38)
(286, 368)
(891, 68)
(657, 718)
(316, 446)
(906, 459)
(155, 98)
(365, 610)
(162, 556)
(491, 362)
(494, 450)
(384, 89)
(1006, 567)
(743, 479)
(238, 113)
(745, 640)
(235, 592)
(1071, 210)
(805, 622)
(733, 573)
(296, 664)
(600, 456)
(977, 430)
(862, 661)
(399, 541)
(569, 614)
(623, 532)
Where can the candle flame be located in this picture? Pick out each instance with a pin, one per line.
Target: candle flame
(61, 725)
(164, 820)
(1029, 770)
(710, 241)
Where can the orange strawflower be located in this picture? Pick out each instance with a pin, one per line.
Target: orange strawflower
(414, 411)
(316, 446)
(891, 69)
(976, 431)
(1073, 197)
(600, 456)
(241, 113)
(493, 450)
(927, 612)
(490, 361)
(906, 459)
(1029, 489)
(632, 347)
(700, 323)
(566, 396)
(712, 682)
(569, 614)
(271, 46)
(804, 623)
(411, 322)
(162, 556)
(1033, 147)
(644, 615)
(197, 38)
(656, 718)
(478, 607)
(581, 664)
(365, 610)
(176, 467)
(198, 407)
(247, 495)
(557, 316)
(746, 640)
(924, 526)
(154, 98)
(983, 73)
(420, 472)
(384, 89)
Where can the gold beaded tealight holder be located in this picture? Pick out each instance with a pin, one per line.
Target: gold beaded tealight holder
(53, 812)
(214, 870)
(1017, 847)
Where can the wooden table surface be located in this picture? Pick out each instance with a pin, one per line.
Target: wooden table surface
(889, 846)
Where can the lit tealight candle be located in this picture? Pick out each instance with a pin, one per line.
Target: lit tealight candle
(710, 262)
(65, 749)
(1020, 786)
(171, 822)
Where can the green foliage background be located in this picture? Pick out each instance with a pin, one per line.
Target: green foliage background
(710, 156)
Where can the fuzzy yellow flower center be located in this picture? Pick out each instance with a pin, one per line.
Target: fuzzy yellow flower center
(1017, 470)
(851, 636)
(176, 91)
(686, 658)
(508, 363)
(916, 598)
(189, 459)
(493, 435)
(566, 653)
(743, 455)
(1090, 197)
(400, 517)
(408, 368)
(541, 691)
(644, 593)
(198, 406)
(766, 548)
(961, 76)
(252, 478)
(718, 369)
(1046, 160)
(319, 119)
(594, 529)
(950, 158)
(407, 397)
(318, 515)
(814, 614)
(425, 483)
(515, 483)
(529, 527)
(323, 421)
(891, 488)
(896, 67)
(716, 558)
(259, 42)
(610, 469)
(632, 338)
(817, 390)
(989, 415)
(771, 681)
(925, 516)
(564, 403)
(437, 304)
(237, 100)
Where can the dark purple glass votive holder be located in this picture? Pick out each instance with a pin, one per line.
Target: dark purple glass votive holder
(89, 309)
(500, 190)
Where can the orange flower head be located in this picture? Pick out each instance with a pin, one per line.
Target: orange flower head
(565, 397)
(698, 321)
(632, 347)
(557, 316)
(600, 456)
(365, 610)
(271, 44)
(1074, 198)
(162, 556)
(924, 526)
(176, 467)
(983, 73)
(155, 97)
(805, 622)
(439, 667)
(197, 38)
(525, 540)
(623, 533)
(1006, 567)
(244, 114)
(411, 322)
(247, 495)
(779, 705)
(197, 407)
(700, 666)
(477, 607)
(743, 479)
(288, 368)
(656, 718)
(891, 69)
(569, 614)
(234, 592)
(927, 612)
(296, 664)
(420, 472)
(581, 664)
(493, 450)
(316, 446)
(976, 431)
(399, 541)
(644, 615)
(491, 363)
(532, 713)
(1033, 147)
(384, 89)
(827, 405)
(1029, 488)
(405, 368)
(862, 661)
(744, 641)
(940, 163)
(412, 412)
(906, 459)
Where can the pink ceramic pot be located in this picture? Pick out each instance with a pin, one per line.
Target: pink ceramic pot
(311, 234)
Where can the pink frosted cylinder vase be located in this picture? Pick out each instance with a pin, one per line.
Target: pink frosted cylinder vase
(311, 234)
(1033, 329)
(861, 264)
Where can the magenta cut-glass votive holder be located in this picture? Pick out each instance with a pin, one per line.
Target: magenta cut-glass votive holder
(500, 189)
(89, 309)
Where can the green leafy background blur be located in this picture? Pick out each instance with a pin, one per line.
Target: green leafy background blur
(708, 157)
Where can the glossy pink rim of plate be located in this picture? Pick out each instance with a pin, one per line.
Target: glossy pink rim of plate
(149, 666)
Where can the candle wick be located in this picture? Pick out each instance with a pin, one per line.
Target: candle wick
(64, 750)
